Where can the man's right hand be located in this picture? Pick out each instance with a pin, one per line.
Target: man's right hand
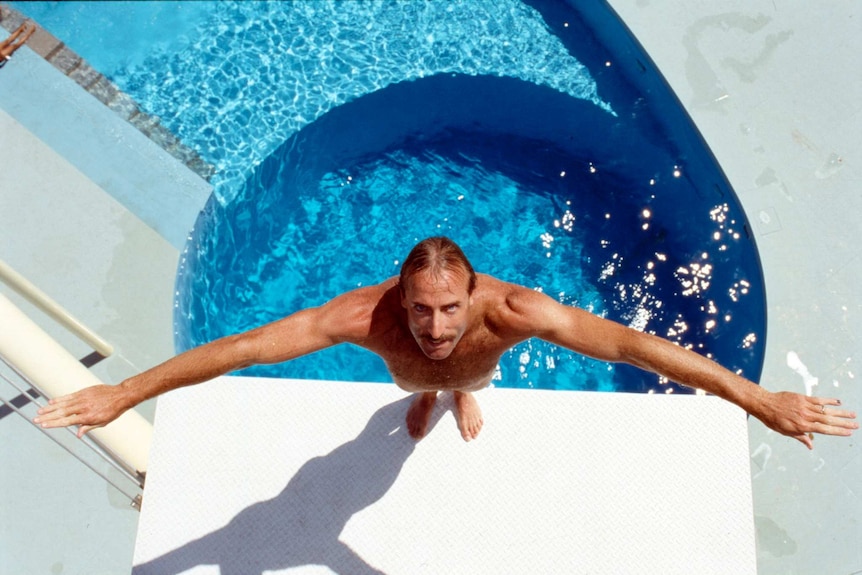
(88, 408)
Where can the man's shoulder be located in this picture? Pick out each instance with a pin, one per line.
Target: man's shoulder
(357, 313)
(366, 299)
(501, 292)
(507, 306)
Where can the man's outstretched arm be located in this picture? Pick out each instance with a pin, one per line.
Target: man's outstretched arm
(306, 331)
(791, 414)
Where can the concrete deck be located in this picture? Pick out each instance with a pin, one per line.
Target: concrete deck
(63, 228)
(774, 89)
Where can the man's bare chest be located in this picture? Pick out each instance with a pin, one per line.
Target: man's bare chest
(470, 366)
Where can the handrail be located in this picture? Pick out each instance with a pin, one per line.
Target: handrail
(42, 301)
(94, 447)
(53, 371)
(134, 499)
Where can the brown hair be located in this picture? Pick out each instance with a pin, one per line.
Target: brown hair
(436, 255)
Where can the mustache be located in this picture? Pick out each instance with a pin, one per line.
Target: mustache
(428, 337)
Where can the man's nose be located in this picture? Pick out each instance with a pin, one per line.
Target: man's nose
(437, 325)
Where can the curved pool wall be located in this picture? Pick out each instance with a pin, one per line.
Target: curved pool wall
(676, 258)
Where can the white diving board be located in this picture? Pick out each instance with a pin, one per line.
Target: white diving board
(253, 476)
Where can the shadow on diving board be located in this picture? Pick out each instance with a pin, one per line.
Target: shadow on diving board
(259, 475)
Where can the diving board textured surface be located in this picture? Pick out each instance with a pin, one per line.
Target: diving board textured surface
(279, 476)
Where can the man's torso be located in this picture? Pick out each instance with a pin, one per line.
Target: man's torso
(469, 367)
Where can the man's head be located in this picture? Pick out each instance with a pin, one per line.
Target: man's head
(436, 284)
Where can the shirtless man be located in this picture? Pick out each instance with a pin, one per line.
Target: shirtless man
(440, 326)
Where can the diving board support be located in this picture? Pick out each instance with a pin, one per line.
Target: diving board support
(321, 477)
(54, 372)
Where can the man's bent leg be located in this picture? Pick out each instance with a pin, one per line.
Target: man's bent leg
(468, 414)
(420, 413)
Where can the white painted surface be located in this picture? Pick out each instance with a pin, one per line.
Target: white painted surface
(280, 476)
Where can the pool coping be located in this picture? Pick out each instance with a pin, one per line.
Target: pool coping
(64, 59)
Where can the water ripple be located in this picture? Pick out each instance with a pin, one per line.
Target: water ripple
(260, 71)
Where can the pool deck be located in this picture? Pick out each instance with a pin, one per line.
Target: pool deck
(772, 89)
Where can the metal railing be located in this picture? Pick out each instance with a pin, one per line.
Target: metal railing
(50, 371)
(37, 297)
(135, 498)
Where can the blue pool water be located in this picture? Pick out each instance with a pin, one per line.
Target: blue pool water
(537, 136)
(234, 79)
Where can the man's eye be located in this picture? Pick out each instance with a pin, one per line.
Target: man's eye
(452, 308)
(419, 308)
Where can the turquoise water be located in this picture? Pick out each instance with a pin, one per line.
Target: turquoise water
(115, 36)
(353, 227)
(234, 79)
(606, 223)
(584, 179)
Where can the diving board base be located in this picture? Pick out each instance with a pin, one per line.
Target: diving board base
(252, 476)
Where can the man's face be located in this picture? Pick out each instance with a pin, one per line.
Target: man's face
(437, 311)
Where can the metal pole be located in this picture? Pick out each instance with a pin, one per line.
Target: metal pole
(54, 372)
(136, 477)
(134, 500)
(41, 300)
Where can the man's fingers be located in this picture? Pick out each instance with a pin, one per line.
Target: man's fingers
(59, 412)
(805, 439)
(840, 427)
(53, 405)
(846, 414)
(825, 425)
(843, 419)
(823, 404)
(828, 420)
(55, 420)
(89, 408)
(831, 417)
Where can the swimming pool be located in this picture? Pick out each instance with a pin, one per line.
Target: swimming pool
(571, 169)
(235, 79)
